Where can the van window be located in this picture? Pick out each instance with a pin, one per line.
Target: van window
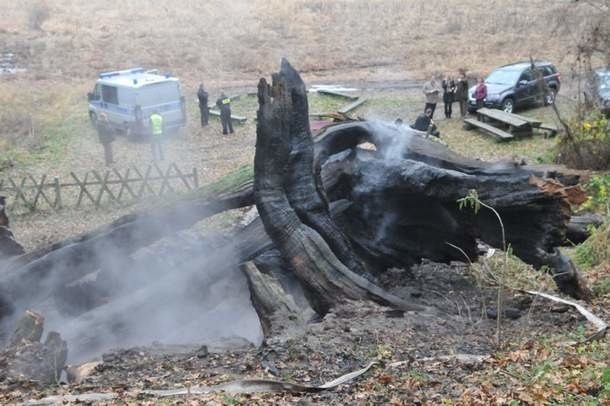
(97, 92)
(109, 94)
(158, 93)
(127, 96)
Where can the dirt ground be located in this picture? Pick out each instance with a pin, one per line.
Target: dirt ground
(446, 358)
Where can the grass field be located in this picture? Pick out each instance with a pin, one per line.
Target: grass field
(219, 41)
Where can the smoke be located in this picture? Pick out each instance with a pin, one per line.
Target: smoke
(391, 144)
(185, 289)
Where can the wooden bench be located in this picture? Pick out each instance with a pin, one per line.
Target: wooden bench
(496, 132)
(539, 125)
(516, 124)
(338, 94)
(352, 106)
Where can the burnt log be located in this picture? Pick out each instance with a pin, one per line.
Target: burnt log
(283, 146)
(404, 201)
(404, 197)
(9, 247)
(276, 308)
(579, 227)
(28, 359)
(37, 274)
(332, 215)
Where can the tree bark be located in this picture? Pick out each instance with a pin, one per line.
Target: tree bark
(282, 135)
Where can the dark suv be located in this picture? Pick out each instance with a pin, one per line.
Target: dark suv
(513, 86)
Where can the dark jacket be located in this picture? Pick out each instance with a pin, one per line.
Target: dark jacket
(461, 89)
(105, 133)
(202, 95)
(224, 105)
(448, 91)
(422, 122)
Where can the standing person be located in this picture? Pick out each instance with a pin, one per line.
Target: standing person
(202, 95)
(448, 95)
(224, 105)
(105, 135)
(480, 93)
(461, 92)
(432, 92)
(156, 135)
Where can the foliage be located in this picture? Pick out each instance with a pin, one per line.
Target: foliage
(596, 249)
(589, 145)
(471, 200)
(598, 191)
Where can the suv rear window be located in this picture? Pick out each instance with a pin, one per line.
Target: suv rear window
(548, 70)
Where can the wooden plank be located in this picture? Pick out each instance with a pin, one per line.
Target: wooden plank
(239, 119)
(322, 116)
(125, 183)
(181, 176)
(511, 119)
(83, 189)
(103, 187)
(534, 122)
(195, 179)
(165, 182)
(500, 134)
(550, 130)
(57, 186)
(145, 184)
(352, 106)
(337, 94)
(20, 194)
(40, 191)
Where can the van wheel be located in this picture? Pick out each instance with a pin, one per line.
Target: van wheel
(93, 118)
(508, 105)
(549, 98)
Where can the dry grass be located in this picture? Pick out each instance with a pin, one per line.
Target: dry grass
(219, 39)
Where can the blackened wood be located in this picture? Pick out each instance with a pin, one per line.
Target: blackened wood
(326, 280)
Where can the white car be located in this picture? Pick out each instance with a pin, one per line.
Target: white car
(129, 97)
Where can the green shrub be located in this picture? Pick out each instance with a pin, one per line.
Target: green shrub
(589, 147)
(596, 249)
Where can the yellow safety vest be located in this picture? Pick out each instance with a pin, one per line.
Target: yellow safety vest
(156, 121)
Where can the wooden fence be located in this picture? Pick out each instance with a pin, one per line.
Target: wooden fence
(97, 188)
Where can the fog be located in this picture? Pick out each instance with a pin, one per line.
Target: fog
(185, 289)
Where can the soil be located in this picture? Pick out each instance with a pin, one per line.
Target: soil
(422, 358)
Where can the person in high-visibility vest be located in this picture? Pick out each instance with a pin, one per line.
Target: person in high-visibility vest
(224, 105)
(156, 135)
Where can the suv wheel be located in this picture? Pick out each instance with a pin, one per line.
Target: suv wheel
(93, 118)
(549, 98)
(508, 105)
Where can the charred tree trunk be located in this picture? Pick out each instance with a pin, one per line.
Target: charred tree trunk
(9, 247)
(391, 206)
(283, 138)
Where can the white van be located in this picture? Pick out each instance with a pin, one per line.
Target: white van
(129, 97)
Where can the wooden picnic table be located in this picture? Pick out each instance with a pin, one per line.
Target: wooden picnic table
(500, 134)
(516, 122)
